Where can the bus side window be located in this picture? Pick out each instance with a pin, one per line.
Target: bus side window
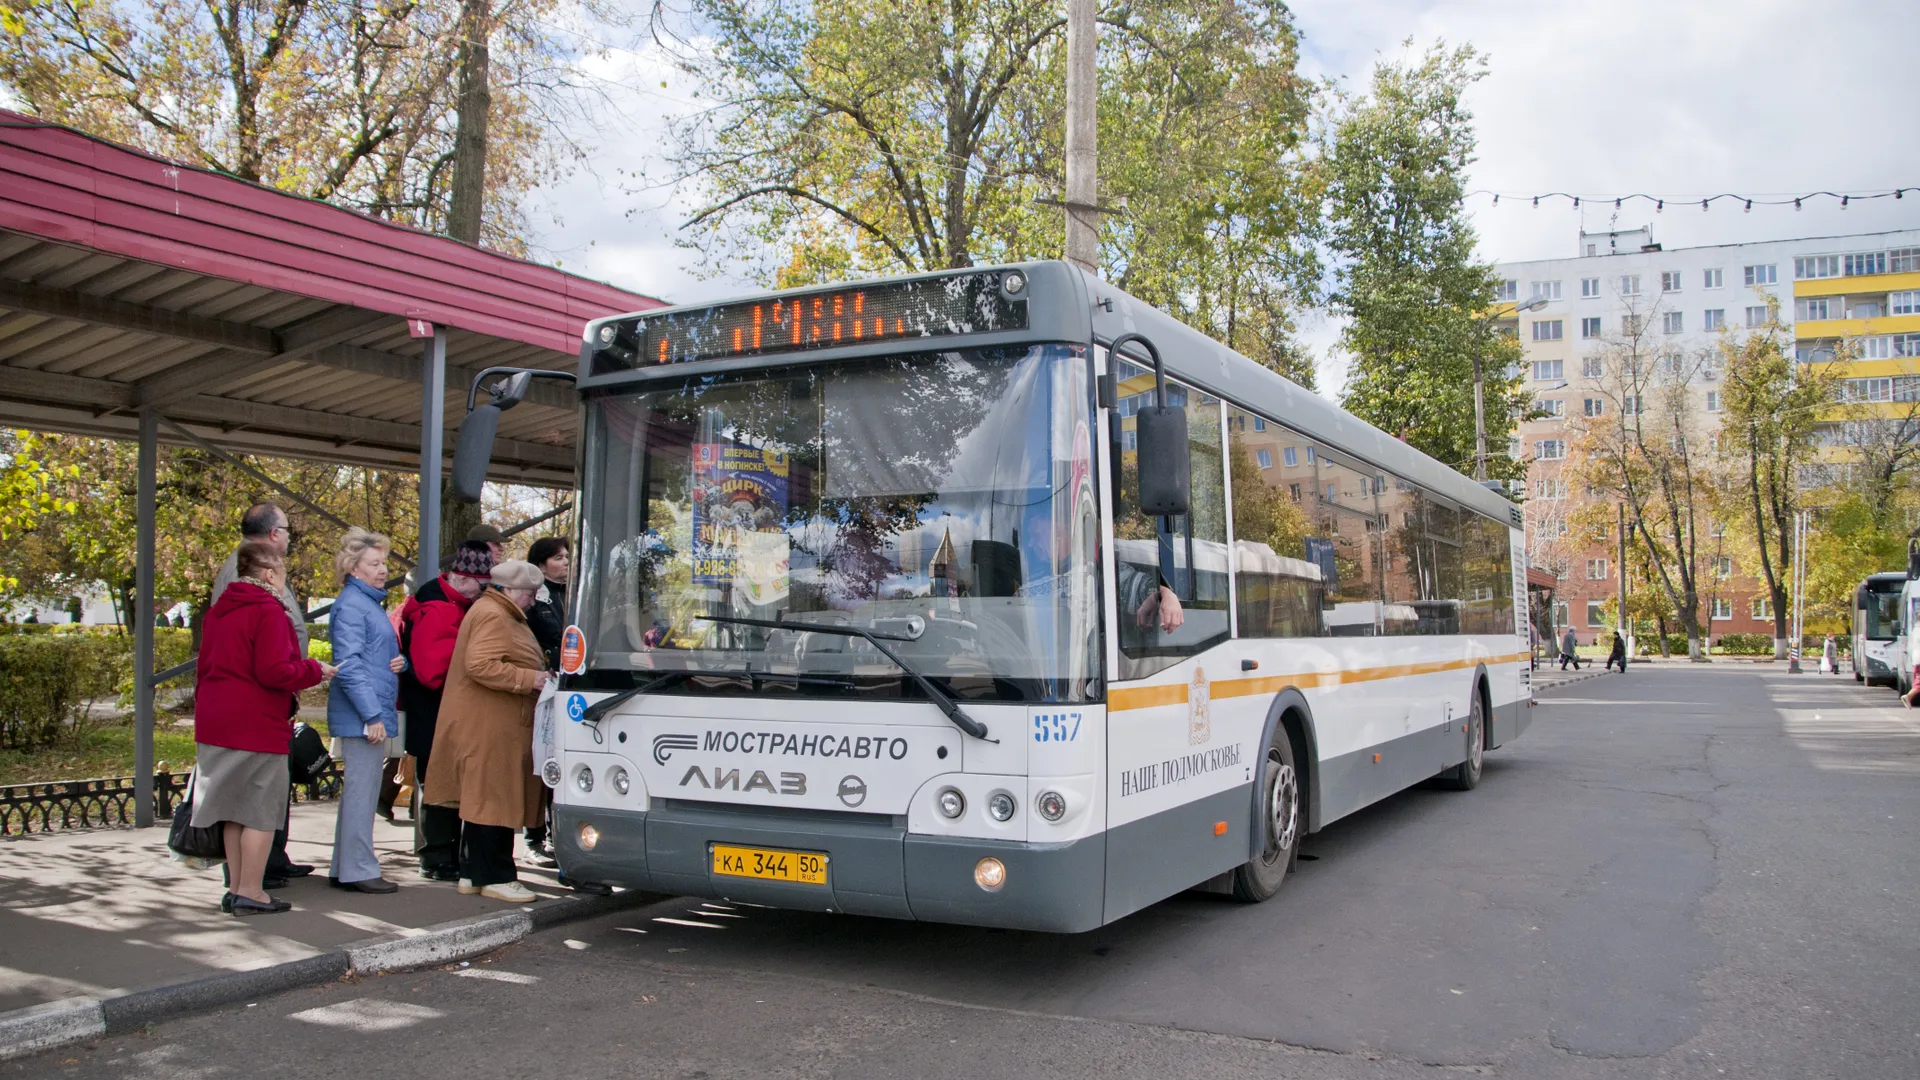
(1280, 589)
(1188, 554)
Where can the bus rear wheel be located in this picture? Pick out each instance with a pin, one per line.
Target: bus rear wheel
(1261, 876)
(1466, 775)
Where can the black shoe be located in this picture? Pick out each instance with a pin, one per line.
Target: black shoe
(292, 870)
(226, 904)
(270, 883)
(246, 906)
(591, 888)
(377, 886)
(440, 873)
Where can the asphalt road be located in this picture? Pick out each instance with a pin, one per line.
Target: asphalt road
(1678, 872)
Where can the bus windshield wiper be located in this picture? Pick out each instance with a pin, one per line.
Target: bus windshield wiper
(604, 706)
(940, 698)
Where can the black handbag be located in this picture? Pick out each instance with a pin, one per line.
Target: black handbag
(307, 757)
(184, 839)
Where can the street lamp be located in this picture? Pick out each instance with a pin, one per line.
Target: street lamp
(1480, 392)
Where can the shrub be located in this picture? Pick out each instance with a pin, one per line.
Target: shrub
(47, 680)
(1745, 645)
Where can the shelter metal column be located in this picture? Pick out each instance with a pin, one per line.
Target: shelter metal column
(433, 413)
(142, 615)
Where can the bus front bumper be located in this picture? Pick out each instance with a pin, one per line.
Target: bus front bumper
(872, 868)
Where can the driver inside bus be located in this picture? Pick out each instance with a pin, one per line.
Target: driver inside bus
(1150, 599)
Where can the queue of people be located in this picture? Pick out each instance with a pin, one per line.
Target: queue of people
(464, 660)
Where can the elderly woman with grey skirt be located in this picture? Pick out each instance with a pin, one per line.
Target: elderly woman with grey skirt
(360, 707)
(250, 673)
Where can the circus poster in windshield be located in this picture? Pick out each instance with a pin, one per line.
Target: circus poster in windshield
(739, 511)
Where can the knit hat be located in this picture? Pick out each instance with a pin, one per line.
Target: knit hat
(516, 574)
(471, 561)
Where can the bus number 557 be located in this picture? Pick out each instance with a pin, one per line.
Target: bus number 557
(1056, 727)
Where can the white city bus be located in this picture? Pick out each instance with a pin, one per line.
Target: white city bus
(870, 618)
(1877, 640)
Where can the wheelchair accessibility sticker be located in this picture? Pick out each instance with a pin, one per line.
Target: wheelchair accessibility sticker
(576, 707)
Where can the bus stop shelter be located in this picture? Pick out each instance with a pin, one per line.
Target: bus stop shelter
(148, 300)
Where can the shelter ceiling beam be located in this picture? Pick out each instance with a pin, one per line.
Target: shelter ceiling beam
(297, 342)
(408, 369)
(144, 318)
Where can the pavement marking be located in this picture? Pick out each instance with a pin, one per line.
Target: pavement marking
(629, 929)
(373, 925)
(575, 944)
(492, 975)
(367, 1014)
(688, 922)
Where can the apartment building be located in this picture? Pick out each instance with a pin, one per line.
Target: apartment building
(1623, 293)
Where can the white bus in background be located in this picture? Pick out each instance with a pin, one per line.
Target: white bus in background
(1878, 641)
(912, 598)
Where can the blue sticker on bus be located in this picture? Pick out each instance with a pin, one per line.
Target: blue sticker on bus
(1056, 727)
(576, 707)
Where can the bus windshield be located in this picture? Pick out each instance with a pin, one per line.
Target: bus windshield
(942, 499)
(1882, 614)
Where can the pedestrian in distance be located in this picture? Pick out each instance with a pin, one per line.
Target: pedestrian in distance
(267, 523)
(249, 676)
(360, 708)
(1829, 657)
(484, 765)
(1618, 654)
(1567, 646)
(547, 618)
(429, 630)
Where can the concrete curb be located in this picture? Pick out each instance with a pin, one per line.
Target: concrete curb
(62, 1023)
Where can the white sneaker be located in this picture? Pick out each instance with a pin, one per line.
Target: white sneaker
(512, 892)
(467, 887)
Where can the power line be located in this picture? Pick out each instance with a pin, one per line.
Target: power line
(1705, 202)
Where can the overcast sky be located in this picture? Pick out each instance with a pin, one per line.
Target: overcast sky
(1671, 97)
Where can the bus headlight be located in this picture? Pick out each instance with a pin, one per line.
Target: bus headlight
(607, 334)
(990, 873)
(1052, 805)
(951, 803)
(589, 836)
(1015, 282)
(1000, 806)
(583, 779)
(622, 783)
(550, 772)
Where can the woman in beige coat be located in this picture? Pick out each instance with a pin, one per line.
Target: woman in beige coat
(483, 750)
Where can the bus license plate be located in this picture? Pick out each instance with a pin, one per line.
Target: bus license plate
(771, 864)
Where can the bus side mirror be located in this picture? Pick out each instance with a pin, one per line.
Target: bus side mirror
(1166, 476)
(474, 451)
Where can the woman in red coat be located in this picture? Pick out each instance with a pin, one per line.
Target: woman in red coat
(250, 676)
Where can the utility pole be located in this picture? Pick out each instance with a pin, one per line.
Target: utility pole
(1626, 631)
(1083, 88)
(1799, 591)
(1479, 418)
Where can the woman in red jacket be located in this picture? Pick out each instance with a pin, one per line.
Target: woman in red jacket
(250, 674)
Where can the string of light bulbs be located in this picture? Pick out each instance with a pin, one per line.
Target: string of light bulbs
(1705, 202)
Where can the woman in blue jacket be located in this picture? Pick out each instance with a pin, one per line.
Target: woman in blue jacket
(360, 707)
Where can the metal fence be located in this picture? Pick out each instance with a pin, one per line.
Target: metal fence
(58, 805)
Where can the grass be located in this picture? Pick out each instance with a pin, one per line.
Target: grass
(104, 747)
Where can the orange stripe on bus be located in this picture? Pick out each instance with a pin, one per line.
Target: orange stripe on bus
(1125, 698)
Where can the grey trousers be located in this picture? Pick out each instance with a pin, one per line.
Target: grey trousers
(353, 857)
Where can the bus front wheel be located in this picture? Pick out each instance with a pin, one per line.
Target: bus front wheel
(1280, 823)
(1466, 775)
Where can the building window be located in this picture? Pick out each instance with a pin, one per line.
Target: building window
(1815, 307)
(1601, 532)
(1294, 490)
(1596, 407)
(1550, 449)
(1596, 569)
(1546, 290)
(1904, 303)
(1723, 567)
(1549, 370)
(1865, 262)
(1713, 318)
(1867, 390)
(1546, 330)
(1722, 608)
(1630, 285)
(1593, 367)
(1672, 322)
(1329, 492)
(1630, 325)
(1550, 487)
(1763, 607)
(1669, 281)
(1759, 275)
(1905, 344)
(1816, 266)
(1630, 405)
(1589, 286)
(1291, 456)
(1265, 458)
(1756, 317)
(1713, 401)
(1309, 455)
(1259, 423)
(1554, 407)
(1507, 290)
(1596, 612)
(1590, 328)
(1711, 279)
(1903, 260)
(1560, 608)
(1876, 348)
(1906, 388)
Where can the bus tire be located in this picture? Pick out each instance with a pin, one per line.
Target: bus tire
(1466, 775)
(1281, 816)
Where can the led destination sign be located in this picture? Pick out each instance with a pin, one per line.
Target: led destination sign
(897, 310)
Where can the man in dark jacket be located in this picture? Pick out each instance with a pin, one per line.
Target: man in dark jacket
(429, 626)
